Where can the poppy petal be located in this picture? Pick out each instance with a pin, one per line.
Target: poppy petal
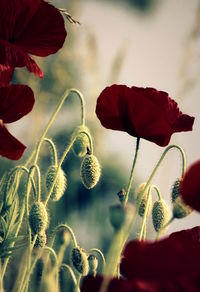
(15, 102)
(165, 259)
(10, 147)
(6, 73)
(45, 33)
(190, 186)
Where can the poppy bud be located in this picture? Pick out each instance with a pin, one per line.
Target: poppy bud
(90, 171)
(79, 260)
(175, 190)
(93, 264)
(122, 195)
(82, 142)
(60, 184)
(38, 218)
(160, 215)
(143, 202)
(117, 215)
(41, 240)
(180, 209)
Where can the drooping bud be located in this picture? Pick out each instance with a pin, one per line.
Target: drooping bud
(122, 195)
(117, 214)
(93, 264)
(180, 209)
(79, 260)
(90, 171)
(41, 240)
(82, 142)
(38, 218)
(175, 190)
(60, 184)
(144, 201)
(160, 215)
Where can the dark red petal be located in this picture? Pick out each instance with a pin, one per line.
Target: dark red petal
(171, 258)
(16, 101)
(10, 147)
(15, 16)
(91, 284)
(190, 186)
(45, 33)
(6, 73)
(14, 56)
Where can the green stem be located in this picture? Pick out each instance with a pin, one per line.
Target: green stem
(31, 170)
(64, 226)
(132, 171)
(144, 219)
(53, 149)
(69, 269)
(78, 283)
(154, 187)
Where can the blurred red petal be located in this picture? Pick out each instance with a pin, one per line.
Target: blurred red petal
(190, 186)
(10, 147)
(6, 73)
(16, 101)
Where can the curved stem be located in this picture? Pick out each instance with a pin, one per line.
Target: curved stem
(53, 149)
(144, 219)
(132, 171)
(89, 138)
(92, 250)
(64, 226)
(35, 166)
(78, 283)
(69, 269)
(82, 101)
(154, 187)
(52, 251)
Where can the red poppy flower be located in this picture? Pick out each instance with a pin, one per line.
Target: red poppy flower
(15, 102)
(6, 73)
(171, 264)
(29, 27)
(190, 186)
(141, 112)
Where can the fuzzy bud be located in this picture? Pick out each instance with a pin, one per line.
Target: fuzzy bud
(79, 260)
(160, 215)
(38, 218)
(180, 209)
(175, 190)
(143, 202)
(117, 215)
(90, 171)
(93, 264)
(82, 142)
(60, 184)
(41, 240)
(122, 195)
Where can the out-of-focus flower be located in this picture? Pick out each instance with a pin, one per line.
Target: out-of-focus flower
(29, 27)
(15, 102)
(171, 264)
(190, 186)
(141, 112)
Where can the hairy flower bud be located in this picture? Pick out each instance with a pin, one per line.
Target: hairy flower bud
(160, 215)
(81, 144)
(41, 240)
(143, 202)
(180, 209)
(90, 171)
(79, 260)
(93, 264)
(175, 190)
(60, 184)
(38, 218)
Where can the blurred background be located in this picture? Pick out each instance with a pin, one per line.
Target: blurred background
(148, 43)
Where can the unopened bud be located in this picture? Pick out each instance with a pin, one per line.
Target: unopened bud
(79, 260)
(90, 171)
(93, 264)
(175, 190)
(38, 218)
(60, 184)
(122, 195)
(41, 240)
(145, 199)
(160, 215)
(82, 142)
(180, 209)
